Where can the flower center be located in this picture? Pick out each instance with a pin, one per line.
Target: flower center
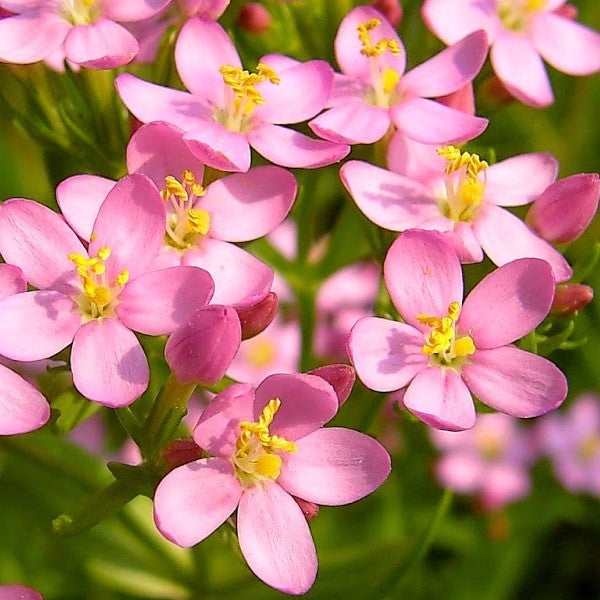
(490, 446)
(80, 12)
(589, 448)
(261, 353)
(256, 456)
(463, 188)
(185, 224)
(515, 14)
(383, 78)
(98, 297)
(243, 96)
(441, 344)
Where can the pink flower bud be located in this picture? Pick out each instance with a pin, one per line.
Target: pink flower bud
(201, 350)
(390, 9)
(256, 318)
(562, 213)
(495, 93)
(340, 377)
(571, 297)
(567, 11)
(309, 509)
(179, 452)
(254, 18)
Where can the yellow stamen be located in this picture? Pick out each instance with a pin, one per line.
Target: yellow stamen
(261, 353)
(199, 220)
(368, 49)
(243, 82)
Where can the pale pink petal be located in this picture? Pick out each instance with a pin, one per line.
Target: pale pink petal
(515, 382)
(246, 206)
(461, 471)
(508, 303)
(239, 277)
(430, 122)
(275, 539)
(521, 70)
(423, 275)
(131, 222)
(22, 407)
(504, 238)
(156, 303)
(462, 99)
(132, 10)
(465, 243)
(386, 354)
(157, 150)
(416, 161)
(108, 363)
(307, 402)
(346, 89)
(79, 198)
(389, 200)
(440, 398)
(504, 483)
(31, 36)
(194, 499)
(520, 179)
(36, 325)
(348, 45)
(11, 281)
(206, 8)
(102, 44)
(18, 592)
(39, 242)
(290, 148)
(150, 102)
(217, 146)
(353, 122)
(334, 466)
(219, 426)
(568, 46)
(449, 70)
(451, 21)
(202, 37)
(301, 93)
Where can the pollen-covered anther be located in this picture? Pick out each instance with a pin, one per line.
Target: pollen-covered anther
(370, 49)
(243, 82)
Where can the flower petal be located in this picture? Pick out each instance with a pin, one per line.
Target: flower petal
(246, 206)
(36, 325)
(335, 466)
(22, 407)
(194, 499)
(494, 227)
(79, 198)
(430, 122)
(385, 354)
(423, 275)
(156, 303)
(508, 303)
(290, 148)
(19, 592)
(275, 539)
(132, 10)
(440, 398)
(11, 281)
(108, 363)
(515, 382)
(39, 242)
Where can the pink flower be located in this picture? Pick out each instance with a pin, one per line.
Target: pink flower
(520, 35)
(95, 297)
(229, 109)
(460, 194)
(374, 93)
(18, 592)
(269, 447)
(86, 31)
(201, 223)
(446, 350)
(491, 460)
(22, 407)
(572, 440)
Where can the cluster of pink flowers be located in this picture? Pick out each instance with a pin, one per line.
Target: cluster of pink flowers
(157, 253)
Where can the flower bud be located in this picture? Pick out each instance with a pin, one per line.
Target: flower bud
(494, 92)
(390, 9)
(179, 452)
(256, 318)
(562, 213)
(340, 377)
(571, 297)
(309, 509)
(201, 349)
(567, 11)
(254, 18)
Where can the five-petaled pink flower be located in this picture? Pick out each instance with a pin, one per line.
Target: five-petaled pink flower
(95, 297)
(520, 33)
(446, 350)
(230, 109)
(269, 448)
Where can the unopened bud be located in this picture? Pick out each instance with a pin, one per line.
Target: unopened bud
(390, 9)
(179, 452)
(340, 377)
(254, 18)
(309, 509)
(494, 91)
(201, 350)
(570, 298)
(563, 212)
(256, 318)
(462, 99)
(567, 11)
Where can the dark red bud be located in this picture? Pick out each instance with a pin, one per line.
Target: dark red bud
(340, 377)
(179, 452)
(568, 11)
(309, 509)
(571, 297)
(390, 9)
(254, 18)
(494, 92)
(256, 318)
